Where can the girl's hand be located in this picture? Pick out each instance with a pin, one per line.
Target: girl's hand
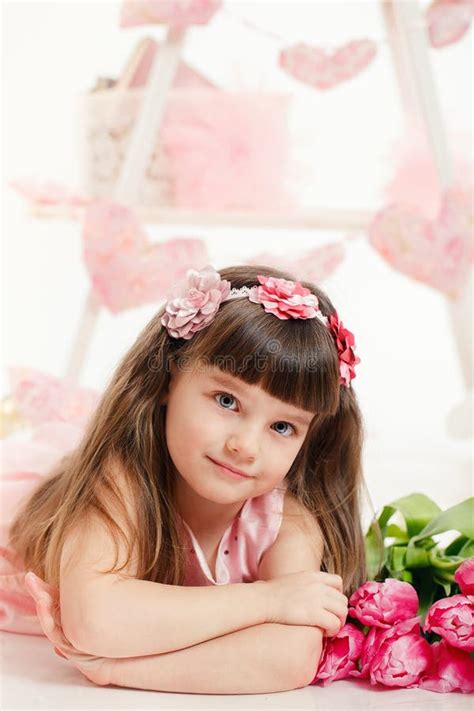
(308, 598)
(97, 669)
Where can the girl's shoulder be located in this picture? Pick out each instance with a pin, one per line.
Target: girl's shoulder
(296, 517)
(91, 541)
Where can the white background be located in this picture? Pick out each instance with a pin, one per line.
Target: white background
(409, 378)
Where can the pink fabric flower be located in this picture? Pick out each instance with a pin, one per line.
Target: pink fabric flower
(176, 13)
(381, 604)
(345, 344)
(402, 656)
(452, 619)
(340, 654)
(371, 644)
(464, 576)
(450, 670)
(194, 304)
(285, 299)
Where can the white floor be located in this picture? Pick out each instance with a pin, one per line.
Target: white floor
(35, 678)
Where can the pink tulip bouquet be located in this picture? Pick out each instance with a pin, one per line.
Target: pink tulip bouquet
(413, 620)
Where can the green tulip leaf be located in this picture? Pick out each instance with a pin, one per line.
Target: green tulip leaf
(417, 557)
(445, 580)
(417, 510)
(397, 557)
(456, 546)
(445, 562)
(425, 588)
(457, 518)
(394, 531)
(467, 551)
(374, 551)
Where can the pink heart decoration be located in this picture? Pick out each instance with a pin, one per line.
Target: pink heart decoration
(438, 252)
(315, 265)
(448, 20)
(316, 67)
(126, 270)
(176, 13)
(47, 192)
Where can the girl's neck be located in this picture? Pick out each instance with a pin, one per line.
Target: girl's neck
(203, 516)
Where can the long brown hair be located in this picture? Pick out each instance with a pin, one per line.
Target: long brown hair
(301, 368)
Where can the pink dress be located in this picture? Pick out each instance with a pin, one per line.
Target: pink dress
(250, 534)
(243, 544)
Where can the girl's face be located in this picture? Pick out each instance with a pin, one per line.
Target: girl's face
(215, 418)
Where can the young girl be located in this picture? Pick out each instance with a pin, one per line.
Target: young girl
(206, 533)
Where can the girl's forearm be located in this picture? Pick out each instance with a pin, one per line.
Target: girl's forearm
(135, 618)
(261, 659)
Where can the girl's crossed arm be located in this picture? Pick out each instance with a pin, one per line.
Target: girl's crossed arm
(263, 658)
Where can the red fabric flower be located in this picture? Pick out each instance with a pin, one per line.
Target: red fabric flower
(345, 347)
(285, 299)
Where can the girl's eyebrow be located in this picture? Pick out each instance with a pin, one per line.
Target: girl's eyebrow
(229, 382)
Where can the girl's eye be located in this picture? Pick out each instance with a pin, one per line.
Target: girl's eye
(225, 396)
(286, 432)
(225, 400)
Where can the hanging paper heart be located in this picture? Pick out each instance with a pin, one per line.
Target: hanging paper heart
(315, 265)
(448, 20)
(316, 67)
(48, 192)
(176, 13)
(438, 252)
(126, 270)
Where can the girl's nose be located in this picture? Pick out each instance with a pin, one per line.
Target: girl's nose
(245, 443)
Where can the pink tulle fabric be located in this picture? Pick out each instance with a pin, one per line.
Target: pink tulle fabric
(228, 151)
(57, 412)
(25, 462)
(414, 180)
(127, 270)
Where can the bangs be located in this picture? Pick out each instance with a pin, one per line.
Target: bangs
(294, 360)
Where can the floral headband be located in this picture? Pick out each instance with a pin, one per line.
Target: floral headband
(194, 304)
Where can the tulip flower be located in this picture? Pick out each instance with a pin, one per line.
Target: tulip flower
(340, 654)
(464, 576)
(452, 618)
(371, 645)
(381, 604)
(402, 656)
(450, 670)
